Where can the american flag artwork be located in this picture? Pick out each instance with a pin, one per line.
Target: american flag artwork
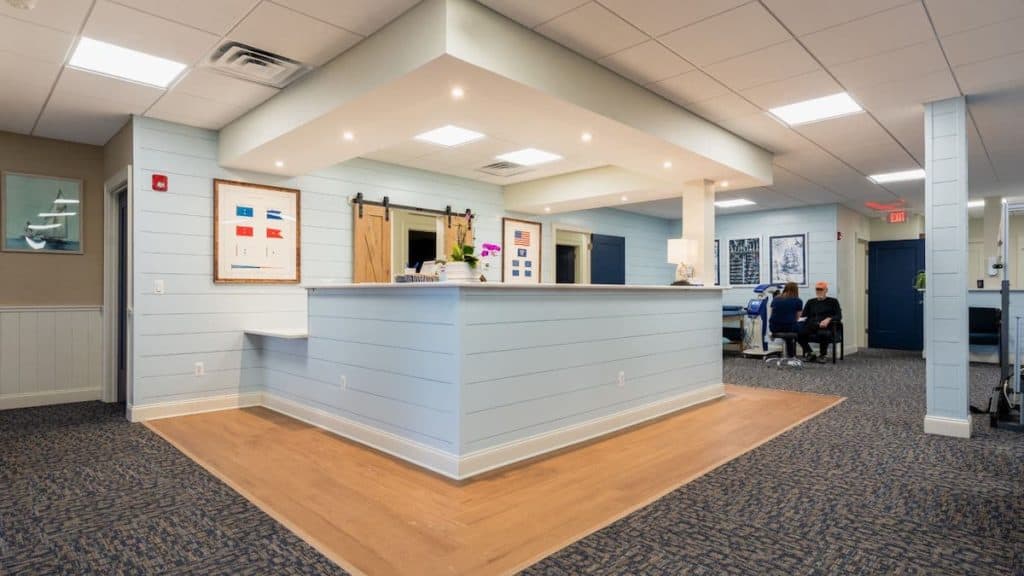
(522, 238)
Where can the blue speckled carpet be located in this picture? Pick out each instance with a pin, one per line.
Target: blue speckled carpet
(857, 490)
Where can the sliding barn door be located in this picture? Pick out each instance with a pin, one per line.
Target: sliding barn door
(371, 245)
(451, 234)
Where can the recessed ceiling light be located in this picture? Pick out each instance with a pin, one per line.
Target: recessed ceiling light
(734, 203)
(547, 208)
(625, 198)
(279, 164)
(348, 136)
(449, 135)
(902, 176)
(975, 203)
(817, 109)
(586, 137)
(458, 92)
(724, 183)
(110, 60)
(666, 164)
(529, 157)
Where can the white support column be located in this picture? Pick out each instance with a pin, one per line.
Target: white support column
(699, 226)
(945, 200)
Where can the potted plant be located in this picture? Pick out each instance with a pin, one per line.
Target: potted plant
(461, 265)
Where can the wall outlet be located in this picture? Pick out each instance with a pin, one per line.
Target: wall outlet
(622, 379)
(158, 286)
(343, 381)
(200, 369)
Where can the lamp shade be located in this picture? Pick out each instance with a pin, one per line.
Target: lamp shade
(680, 250)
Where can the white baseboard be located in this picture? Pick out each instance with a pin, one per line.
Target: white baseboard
(419, 454)
(139, 413)
(942, 426)
(27, 400)
(509, 453)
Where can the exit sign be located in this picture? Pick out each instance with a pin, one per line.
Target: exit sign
(897, 217)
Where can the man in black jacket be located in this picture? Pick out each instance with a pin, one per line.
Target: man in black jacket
(819, 313)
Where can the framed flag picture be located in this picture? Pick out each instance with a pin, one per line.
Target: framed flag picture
(256, 234)
(521, 253)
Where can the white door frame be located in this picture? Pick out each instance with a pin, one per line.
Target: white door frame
(122, 180)
(583, 264)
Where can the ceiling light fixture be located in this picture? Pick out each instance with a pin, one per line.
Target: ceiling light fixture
(975, 203)
(547, 208)
(110, 60)
(279, 164)
(625, 198)
(458, 92)
(529, 157)
(902, 176)
(666, 164)
(348, 136)
(449, 135)
(586, 137)
(817, 109)
(724, 183)
(734, 203)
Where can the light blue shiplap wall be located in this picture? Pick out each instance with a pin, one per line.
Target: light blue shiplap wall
(818, 222)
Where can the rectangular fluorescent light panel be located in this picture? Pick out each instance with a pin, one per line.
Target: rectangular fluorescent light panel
(975, 203)
(734, 203)
(897, 176)
(110, 60)
(449, 136)
(817, 109)
(529, 157)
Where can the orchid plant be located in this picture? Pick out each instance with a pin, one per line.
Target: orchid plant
(460, 251)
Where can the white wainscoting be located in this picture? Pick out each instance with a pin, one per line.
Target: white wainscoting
(50, 355)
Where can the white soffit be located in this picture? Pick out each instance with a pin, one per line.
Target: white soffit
(396, 84)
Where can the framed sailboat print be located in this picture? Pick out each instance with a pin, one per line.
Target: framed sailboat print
(41, 214)
(788, 257)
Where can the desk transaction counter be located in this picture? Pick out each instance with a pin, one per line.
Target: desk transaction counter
(465, 378)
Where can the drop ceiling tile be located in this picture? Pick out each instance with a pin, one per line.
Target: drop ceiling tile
(531, 13)
(692, 86)
(848, 132)
(796, 89)
(19, 108)
(776, 62)
(657, 17)
(194, 111)
(646, 63)
(593, 31)
(906, 124)
(726, 35)
(34, 41)
(952, 16)
(135, 98)
(875, 34)
(807, 16)
(900, 64)
(765, 131)
(912, 91)
(291, 34)
(66, 15)
(81, 119)
(983, 43)
(27, 71)
(144, 32)
(995, 74)
(725, 107)
(358, 16)
(205, 83)
(879, 158)
(214, 17)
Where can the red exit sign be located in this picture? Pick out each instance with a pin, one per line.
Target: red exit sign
(897, 217)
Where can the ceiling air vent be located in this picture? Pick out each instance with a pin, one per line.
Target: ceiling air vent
(504, 169)
(255, 65)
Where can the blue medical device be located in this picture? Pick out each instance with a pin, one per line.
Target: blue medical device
(757, 310)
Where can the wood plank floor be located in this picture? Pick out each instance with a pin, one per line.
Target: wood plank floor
(373, 514)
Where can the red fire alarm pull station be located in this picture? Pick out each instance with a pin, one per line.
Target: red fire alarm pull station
(897, 217)
(159, 183)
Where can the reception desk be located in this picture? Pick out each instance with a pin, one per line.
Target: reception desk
(465, 378)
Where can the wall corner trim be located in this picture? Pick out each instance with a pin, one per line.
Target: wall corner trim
(941, 426)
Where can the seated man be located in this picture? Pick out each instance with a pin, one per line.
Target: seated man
(818, 314)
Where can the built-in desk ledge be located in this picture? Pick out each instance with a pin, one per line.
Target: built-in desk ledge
(501, 286)
(284, 333)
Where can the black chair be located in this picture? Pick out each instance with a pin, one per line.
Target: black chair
(835, 340)
(783, 359)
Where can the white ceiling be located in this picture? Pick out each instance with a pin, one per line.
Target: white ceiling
(727, 60)
(731, 60)
(48, 99)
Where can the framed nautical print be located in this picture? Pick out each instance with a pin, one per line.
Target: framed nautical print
(520, 251)
(256, 234)
(788, 257)
(745, 262)
(41, 214)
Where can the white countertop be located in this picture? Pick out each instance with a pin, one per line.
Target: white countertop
(501, 286)
(285, 333)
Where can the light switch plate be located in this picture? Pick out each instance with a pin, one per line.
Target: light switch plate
(158, 286)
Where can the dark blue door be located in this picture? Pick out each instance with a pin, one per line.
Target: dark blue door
(895, 307)
(607, 259)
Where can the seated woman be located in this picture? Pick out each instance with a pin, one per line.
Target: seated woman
(786, 308)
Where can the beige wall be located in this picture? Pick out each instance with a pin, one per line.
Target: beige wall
(849, 250)
(56, 279)
(118, 152)
(909, 230)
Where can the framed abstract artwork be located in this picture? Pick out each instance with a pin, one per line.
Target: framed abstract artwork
(41, 214)
(788, 258)
(256, 234)
(745, 262)
(520, 251)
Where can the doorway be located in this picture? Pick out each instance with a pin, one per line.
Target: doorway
(572, 255)
(607, 259)
(117, 288)
(895, 307)
(121, 197)
(565, 264)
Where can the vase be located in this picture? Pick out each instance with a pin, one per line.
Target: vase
(461, 272)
